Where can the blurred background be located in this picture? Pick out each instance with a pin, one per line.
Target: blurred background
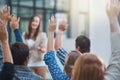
(84, 17)
(46, 8)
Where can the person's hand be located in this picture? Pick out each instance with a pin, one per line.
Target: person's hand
(37, 47)
(63, 25)
(5, 13)
(52, 24)
(3, 31)
(113, 8)
(14, 23)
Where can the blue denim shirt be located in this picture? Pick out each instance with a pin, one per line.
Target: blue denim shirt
(18, 35)
(24, 73)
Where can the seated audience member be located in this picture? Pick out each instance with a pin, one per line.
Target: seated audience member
(50, 60)
(20, 53)
(7, 72)
(82, 43)
(88, 67)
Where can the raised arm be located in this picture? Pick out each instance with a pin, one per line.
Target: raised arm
(113, 69)
(49, 57)
(14, 24)
(112, 11)
(51, 29)
(61, 52)
(7, 57)
(58, 40)
(7, 72)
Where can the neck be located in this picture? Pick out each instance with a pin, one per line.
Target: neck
(78, 49)
(32, 34)
(33, 31)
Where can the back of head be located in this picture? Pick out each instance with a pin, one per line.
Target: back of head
(88, 67)
(83, 43)
(70, 60)
(20, 52)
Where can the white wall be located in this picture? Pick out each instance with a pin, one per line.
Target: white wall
(99, 30)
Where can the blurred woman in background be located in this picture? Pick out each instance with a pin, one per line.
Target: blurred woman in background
(36, 41)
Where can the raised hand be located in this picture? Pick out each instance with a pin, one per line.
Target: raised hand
(5, 13)
(52, 24)
(3, 30)
(63, 25)
(113, 8)
(14, 23)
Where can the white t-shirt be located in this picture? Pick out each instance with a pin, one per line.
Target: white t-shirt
(31, 62)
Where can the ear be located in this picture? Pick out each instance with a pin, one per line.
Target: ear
(27, 59)
(78, 48)
(26, 62)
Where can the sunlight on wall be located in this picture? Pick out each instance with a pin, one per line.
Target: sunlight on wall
(99, 30)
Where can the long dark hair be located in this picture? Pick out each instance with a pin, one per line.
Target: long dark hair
(28, 33)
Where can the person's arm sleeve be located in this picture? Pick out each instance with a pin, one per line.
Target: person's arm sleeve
(7, 72)
(61, 54)
(113, 69)
(53, 67)
(18, 35)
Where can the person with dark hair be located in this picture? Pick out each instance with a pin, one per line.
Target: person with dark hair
(20, 53)
(82, 43)
(36, 41)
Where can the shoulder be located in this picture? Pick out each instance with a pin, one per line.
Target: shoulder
(37, 77)
(42, 33)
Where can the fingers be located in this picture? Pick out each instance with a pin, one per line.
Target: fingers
(52, 24)
(14, 18)
(49, 22)
(2, 25)
(8, 9)
(18, 19)
(52, 20)
(0, 13)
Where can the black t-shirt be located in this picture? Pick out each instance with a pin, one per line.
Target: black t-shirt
(7, 72)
